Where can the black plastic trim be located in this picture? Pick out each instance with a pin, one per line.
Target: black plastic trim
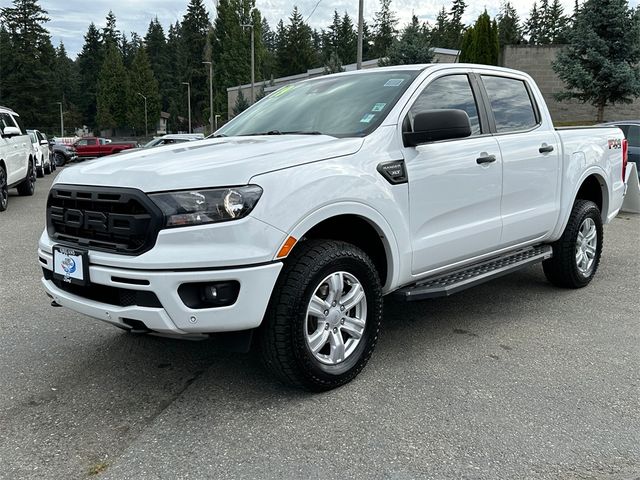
(394, 172)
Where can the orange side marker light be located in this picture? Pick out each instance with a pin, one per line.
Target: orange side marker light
(287, 247)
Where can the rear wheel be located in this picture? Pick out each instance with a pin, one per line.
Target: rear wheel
(47, 167)
(28, 186)
(324, 317)
(576, 255)
(4, 189)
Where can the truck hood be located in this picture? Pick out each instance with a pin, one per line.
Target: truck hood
(214, 162)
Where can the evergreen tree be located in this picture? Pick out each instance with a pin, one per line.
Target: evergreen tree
(194, 34)
(157, 51)
(269, 45)
(110, 34)
(439, 31)
(481, 45)
(509, 29)
(544, 31)
(384, 29)
(600, 65)
(298, 45)
(533, 26)
(455, 28)
(412, 47)
(282, 62)
(26, 77)
(143, 82)
(89, 64)
(113, 94)
(347, 40)
(241, 104)
(556, 23)
(331, 39)
(66, 86)
(6, 63)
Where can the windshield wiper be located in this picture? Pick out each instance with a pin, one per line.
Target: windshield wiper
(278, 132)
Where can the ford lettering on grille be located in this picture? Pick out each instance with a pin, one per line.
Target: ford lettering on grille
(118, 220)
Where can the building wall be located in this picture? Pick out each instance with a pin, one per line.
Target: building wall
(536, 61)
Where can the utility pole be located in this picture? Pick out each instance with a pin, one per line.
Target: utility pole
(61, 120)
(210, 94)
(146, 121)
(189, 99)
(253, 63)
(360, 27)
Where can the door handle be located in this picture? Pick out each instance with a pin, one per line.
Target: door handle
(486, 159)
(546, 148)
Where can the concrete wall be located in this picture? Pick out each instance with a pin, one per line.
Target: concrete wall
(536, 61)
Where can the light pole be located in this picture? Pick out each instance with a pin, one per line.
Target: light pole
(61, 120)
(146, 120)
(253, 63)
(189, 99)
(216, 121)
(360, 27)
(210, 94)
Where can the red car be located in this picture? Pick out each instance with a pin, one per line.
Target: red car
(100, 147)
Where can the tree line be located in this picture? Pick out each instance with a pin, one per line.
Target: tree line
(105, 86)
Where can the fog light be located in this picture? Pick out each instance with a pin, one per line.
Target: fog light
(209, 295)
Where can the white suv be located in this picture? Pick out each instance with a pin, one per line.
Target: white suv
(44, 163)
(17, 165)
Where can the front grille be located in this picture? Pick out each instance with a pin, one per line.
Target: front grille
(120, 297)
(117, 220)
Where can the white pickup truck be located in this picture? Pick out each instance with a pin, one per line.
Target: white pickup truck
(292, 222)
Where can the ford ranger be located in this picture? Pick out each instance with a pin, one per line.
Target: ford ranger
(291, 223)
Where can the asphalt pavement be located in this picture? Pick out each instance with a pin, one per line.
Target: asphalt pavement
(514, 379)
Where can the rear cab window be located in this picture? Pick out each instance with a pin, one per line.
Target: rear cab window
(511, 103)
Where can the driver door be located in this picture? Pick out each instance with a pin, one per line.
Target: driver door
(454, 192)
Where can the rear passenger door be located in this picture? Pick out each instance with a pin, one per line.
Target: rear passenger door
(530, 159)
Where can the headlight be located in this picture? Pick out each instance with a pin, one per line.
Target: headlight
(198, 207)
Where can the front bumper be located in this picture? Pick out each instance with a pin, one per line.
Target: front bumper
(173, 316)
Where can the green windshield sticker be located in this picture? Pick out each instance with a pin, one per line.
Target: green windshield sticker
(394, 82)
(283, 90)
(378, 107)
(367, 118)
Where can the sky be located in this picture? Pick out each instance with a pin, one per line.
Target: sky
(70, 18)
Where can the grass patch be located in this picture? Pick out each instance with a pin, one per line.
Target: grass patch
(98, 468)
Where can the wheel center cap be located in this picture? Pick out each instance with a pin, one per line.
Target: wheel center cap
(334, 317)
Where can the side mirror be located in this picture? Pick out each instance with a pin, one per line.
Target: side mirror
(44, 143)
(435, 125)
(9, 132)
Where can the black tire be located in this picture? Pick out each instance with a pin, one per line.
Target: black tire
(40, 172)
(28, 186)
(562, 269)
(4, 189)
(59, 159)
(53, 164)
(283, 343)
(47, 168)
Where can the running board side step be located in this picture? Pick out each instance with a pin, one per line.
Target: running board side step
(472, 275)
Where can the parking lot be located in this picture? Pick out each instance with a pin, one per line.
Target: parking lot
(512, 379)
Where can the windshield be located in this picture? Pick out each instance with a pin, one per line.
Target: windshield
(337, 105)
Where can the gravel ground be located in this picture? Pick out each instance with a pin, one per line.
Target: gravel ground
(512, 379)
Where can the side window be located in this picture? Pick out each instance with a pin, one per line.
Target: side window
(634, 135)
(6, 121)
(82, 143)
(92, 141)
(452, 91)
(511, 103)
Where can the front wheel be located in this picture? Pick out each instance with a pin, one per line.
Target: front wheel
(59, 160)
(28, 185)
(324, 317)
(4, 189)
(576, 255)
